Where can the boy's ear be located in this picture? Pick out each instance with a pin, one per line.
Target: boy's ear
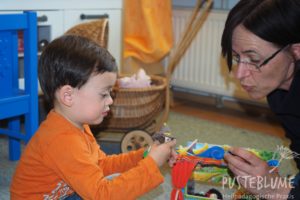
(65, 95)
(296, 50)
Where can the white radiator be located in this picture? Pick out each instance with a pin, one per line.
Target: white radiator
(202, 68)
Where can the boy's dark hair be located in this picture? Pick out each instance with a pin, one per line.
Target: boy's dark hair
(276, 21)
(70, 60)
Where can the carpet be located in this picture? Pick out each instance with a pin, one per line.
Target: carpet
(184, 128)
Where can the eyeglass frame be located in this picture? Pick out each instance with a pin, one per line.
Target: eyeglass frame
(264, 62)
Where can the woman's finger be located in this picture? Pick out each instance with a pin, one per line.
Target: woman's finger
(246, 161)
(248, 156)
(238, 163)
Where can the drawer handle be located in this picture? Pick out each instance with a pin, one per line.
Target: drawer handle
(84, 16)
(42, 18)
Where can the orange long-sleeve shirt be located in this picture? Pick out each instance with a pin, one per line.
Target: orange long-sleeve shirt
(61, 159)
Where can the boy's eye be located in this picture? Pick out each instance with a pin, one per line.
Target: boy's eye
(105, 95)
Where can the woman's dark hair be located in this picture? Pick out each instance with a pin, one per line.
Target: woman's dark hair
(276, 21)
(70, 60)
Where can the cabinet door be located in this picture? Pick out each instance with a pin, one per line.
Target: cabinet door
(74, 17)
(52, 21)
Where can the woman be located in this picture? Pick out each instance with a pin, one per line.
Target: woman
(261, 43)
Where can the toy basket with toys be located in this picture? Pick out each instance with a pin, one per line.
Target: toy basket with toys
(135, 110)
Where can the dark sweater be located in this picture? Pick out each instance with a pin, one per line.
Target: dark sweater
(286, 106)
(294, 194)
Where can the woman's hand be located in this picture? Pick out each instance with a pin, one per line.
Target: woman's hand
(253, 174)
(162, 153)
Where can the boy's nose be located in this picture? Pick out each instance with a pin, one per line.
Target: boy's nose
(109, 101)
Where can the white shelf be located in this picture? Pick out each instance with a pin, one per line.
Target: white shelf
(59, 4)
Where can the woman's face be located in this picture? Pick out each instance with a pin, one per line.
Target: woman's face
(276, 73)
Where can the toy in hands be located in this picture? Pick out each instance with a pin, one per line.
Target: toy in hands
(162, 136)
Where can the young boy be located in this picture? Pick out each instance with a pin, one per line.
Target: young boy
(63, 159)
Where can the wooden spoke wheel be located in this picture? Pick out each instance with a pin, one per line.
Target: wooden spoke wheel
(134, 140)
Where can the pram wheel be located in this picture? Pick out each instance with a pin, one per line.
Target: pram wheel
(134, 140)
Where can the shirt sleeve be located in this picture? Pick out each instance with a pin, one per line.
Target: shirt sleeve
(119, 163)
(79, 166)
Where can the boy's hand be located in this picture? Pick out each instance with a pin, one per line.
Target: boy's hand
(173, 158)
(163, 152)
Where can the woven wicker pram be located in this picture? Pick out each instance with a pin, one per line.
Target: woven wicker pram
(96, 30)
(136, 108)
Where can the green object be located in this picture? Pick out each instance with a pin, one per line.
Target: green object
(146, 152)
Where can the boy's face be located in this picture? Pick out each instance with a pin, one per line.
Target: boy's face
(91, 102)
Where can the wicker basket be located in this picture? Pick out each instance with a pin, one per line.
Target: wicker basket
(96, 30)
(136, 108)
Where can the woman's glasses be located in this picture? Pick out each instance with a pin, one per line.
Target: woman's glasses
(255, 66)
